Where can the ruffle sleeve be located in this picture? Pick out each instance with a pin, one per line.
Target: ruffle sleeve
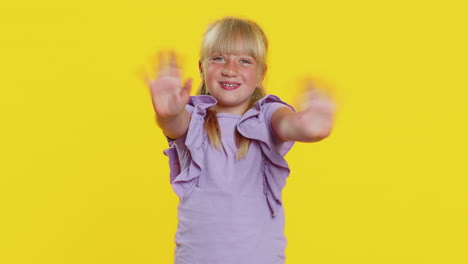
(255, 125)
(186, 154)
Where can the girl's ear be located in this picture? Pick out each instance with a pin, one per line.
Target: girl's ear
(200, 67)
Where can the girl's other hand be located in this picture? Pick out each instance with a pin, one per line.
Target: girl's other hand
(318, 109)
(169, 97)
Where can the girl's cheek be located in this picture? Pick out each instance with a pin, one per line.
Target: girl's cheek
(214, 69)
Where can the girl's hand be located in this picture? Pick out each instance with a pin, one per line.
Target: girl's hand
(318, 112)
(169, 97)
(313, 123)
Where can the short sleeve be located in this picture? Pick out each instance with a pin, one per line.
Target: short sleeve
(267, 111)
(186, 153)
(255, 125)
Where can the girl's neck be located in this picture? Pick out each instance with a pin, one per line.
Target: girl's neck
(235, 110)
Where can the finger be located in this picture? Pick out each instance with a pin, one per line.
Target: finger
(185, 91)
(173, 59)
(155, 63)
(167, 64)
(312, 93)
(320, 100)
(308, 83)
(165, 71)
(174, 68)
(316, 90)
(187, 87)
(143, 75)
(160, 62)
(169, 71)
(174, 71)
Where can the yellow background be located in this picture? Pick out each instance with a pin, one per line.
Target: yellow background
(83, 178)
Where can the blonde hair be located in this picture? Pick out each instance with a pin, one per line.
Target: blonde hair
(232, 36)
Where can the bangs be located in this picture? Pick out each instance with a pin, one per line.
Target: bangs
(235, 37)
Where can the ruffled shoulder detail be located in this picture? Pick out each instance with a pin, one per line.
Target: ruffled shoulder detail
(186, 154)
(255, 125)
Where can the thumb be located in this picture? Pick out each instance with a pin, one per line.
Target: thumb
(187, 87)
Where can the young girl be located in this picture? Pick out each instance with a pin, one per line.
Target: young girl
(227, 146)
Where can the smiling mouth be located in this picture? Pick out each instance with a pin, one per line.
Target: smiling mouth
(229, 85)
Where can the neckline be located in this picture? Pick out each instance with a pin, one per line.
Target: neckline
(228, 115)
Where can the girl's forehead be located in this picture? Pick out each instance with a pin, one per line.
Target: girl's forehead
(232, 46)
(238, 53)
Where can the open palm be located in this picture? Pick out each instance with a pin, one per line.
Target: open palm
(168, 95)
(318, 112)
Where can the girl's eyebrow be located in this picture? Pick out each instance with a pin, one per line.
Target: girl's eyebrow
(244, 56)
(215, 54)
(247, 57)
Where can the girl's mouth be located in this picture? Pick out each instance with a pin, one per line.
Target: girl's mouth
(229, 85)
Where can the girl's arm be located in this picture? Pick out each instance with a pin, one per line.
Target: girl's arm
(312, 124)
(174, 127)
(169, 98)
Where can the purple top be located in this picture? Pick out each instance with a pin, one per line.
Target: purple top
(230, 210)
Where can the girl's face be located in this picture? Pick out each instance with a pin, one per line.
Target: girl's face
(231, 79)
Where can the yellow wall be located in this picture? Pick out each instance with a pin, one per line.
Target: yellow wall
(83, 178)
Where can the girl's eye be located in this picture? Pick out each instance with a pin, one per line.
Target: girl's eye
(218, 58)
(245, 61)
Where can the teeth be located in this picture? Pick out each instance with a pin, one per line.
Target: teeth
(230, 85)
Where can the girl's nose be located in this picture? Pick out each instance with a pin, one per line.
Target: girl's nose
(230, 69)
